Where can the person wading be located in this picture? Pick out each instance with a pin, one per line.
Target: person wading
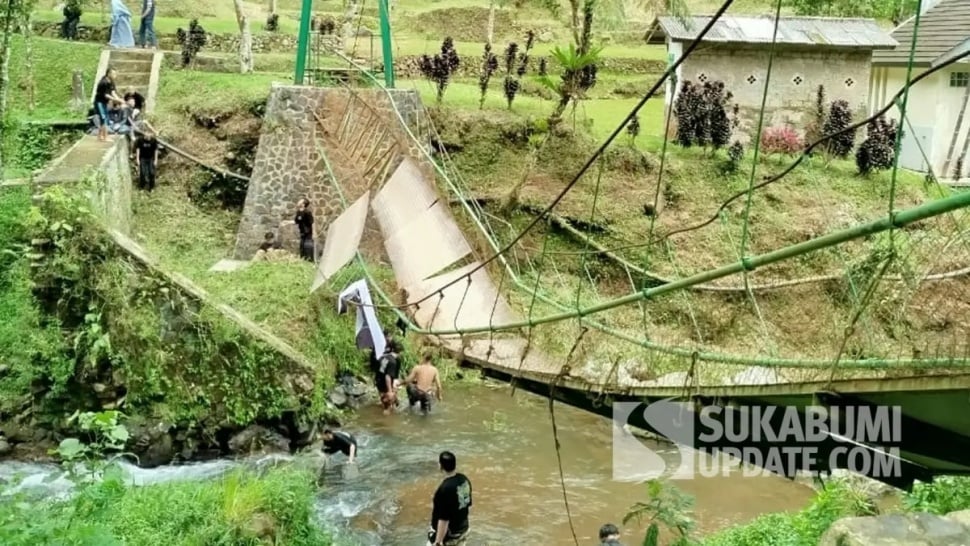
(423, 383)
(452, 499)
(609, 535)
(304, 222)
(388, 368)
(339, 441)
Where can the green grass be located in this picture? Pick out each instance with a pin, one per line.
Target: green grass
(209, 92)
(54, 62)
(233, 510)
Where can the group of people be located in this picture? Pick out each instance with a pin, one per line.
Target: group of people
(121, 30)
(451, 501)
(122, 115)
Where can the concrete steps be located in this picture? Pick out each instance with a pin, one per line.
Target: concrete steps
(137, 68)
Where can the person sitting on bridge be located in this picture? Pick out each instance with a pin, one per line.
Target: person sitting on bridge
(134, 98)
(118, 119)
(339, 441)
(423, 383)
(610, 535)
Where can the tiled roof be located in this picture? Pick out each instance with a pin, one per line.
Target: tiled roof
(807, 31)
(942, 28)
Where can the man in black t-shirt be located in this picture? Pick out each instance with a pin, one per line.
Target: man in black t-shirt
(146, 153)
(340, 441)
(449, 516)
(304, 222)
(103, 96)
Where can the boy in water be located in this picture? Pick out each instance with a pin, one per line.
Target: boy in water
(339, 441)
(423, 383)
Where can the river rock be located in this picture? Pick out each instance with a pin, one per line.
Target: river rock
(151, 442)
(258, 439)
(5, 447)
(338, 398)
(913, 529)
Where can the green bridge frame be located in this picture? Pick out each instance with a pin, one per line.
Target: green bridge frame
(303, 45)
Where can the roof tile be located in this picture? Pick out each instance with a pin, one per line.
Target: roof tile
(942, 28)
(819, 31)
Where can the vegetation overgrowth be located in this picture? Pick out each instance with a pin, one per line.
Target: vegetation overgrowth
(240, 508)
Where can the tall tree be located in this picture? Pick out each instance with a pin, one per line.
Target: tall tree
(27, 30)
(9, 15)
(272, 6)
(245, 39)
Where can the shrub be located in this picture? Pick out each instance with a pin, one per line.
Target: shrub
(440, 68)
(192, 41)
(780, 140)
(702, 115)
(735, 154)
(839, 118)
(877, 150)
(489, 66)
(814, 130)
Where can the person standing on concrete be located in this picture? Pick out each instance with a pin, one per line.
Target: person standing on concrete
(146, 155)
(304, 222)
(146, 32)
(104, 95)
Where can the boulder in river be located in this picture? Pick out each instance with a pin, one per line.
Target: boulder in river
(257, 439)
(151, 442)
(5, 447)
(350, 392)
(913, 529)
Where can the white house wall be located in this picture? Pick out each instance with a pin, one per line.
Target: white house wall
(795, 77)
(932, 109)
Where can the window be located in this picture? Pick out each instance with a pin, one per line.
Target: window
(797, 80)
(959, 79)
(752, 79)
(849, 82)
(702, 78)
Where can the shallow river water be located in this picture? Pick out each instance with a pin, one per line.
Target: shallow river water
(504, 444)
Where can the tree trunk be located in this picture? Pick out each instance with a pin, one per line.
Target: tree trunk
(5, 67)
(272, 6)
(27, 30)
(490, 29)
(245, 39)
(78, 98)
(353, 9)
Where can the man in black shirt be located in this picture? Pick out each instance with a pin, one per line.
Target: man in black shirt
(340, 441)
(610, 535)
(304, 221)
(146, 153)
(103, 96)
(388, 369)
(449, 516)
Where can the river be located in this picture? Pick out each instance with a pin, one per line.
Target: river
(504, 444)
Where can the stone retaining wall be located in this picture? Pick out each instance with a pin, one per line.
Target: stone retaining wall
(289, 165)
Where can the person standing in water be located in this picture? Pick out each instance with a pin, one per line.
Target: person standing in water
(452, 499)
(609, 535)
(304, 222)
(339, 441)
(388, 368)
(423, 383)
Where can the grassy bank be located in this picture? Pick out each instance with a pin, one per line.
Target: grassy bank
(237, 509)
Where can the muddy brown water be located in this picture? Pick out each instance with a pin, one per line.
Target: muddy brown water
(505, 445)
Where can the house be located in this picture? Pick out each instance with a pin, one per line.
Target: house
(935, 124)
(809, 52)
